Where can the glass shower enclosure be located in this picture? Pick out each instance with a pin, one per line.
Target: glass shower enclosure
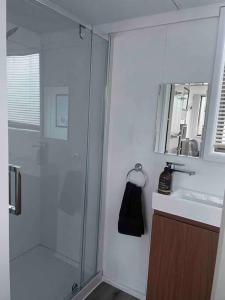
(56, 90)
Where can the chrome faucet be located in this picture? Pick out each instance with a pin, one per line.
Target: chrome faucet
(172, 165)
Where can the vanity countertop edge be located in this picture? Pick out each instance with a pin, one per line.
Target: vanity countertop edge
(195, 211)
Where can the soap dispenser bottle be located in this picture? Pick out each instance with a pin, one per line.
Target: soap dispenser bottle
(165, 180)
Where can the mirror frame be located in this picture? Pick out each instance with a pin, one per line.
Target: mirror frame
(214, 97)
(159, 144)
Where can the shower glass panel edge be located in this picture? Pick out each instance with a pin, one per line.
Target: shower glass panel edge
(98, 69)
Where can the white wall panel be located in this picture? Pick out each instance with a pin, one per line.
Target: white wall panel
(143, 59)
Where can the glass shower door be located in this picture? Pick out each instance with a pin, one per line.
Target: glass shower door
(95, 157)
(49, 77)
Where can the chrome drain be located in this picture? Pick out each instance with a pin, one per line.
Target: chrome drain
(74, 291)
(75, 288)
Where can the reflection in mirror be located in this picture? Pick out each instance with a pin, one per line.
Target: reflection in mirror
(56, 112)
(180, 118)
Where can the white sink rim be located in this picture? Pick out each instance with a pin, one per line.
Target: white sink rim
(192, 195)
(192, 210)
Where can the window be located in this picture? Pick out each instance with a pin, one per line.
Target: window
(201, 115)
(220, 128)
(24, 91)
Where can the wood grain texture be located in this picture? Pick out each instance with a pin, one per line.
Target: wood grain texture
(187, 221)
(107, 292)
(182, 260)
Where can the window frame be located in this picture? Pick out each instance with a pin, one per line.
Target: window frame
(212, 109)
(199, 115)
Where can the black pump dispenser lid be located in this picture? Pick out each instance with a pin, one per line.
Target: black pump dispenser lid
(168, 167)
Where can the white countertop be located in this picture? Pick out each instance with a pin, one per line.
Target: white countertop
(201, 208)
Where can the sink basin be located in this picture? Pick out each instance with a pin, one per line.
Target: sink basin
(193, 205)
(199, 197)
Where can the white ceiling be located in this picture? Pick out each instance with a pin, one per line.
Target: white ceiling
(35, 17)
(195, 3)
(39, 18)
(106, 11)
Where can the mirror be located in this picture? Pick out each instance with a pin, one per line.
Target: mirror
(56, 112)
(180, 118)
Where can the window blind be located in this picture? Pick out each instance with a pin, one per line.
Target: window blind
(24, 90)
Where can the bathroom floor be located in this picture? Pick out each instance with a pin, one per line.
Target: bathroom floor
(107, 292)
(40, 275)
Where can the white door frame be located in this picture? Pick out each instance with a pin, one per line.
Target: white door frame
(4, 210)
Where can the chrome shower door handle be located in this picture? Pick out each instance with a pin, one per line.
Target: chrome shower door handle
(14, 190)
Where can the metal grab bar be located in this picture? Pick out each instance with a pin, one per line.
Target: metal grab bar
(15, 190)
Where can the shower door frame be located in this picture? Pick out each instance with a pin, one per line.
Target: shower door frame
(4, 212)
(97, 279)
(4, 190)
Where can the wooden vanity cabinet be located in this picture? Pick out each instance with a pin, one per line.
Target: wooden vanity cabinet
(182, 259)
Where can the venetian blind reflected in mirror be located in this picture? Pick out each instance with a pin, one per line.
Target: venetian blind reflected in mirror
(180, 118)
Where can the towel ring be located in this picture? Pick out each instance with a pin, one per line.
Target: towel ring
(138, 168)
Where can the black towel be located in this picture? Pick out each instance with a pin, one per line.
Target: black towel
(131, 218)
